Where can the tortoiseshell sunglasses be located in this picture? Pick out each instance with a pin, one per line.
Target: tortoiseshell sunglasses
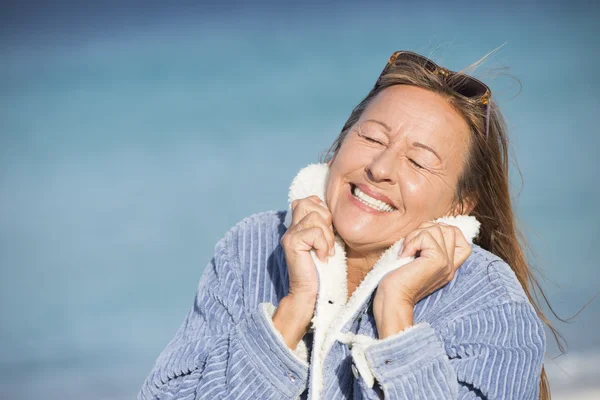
(468, 86)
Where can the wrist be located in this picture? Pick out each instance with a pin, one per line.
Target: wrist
(306, 299)
(392, 316)
(292, 318)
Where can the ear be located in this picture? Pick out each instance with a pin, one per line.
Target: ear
(330, 162)
(465, 207)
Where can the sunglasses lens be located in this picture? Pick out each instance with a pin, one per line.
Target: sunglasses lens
(418, 59)
(469, 87)
(464, 84)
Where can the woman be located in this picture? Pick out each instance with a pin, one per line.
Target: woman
(401, 250)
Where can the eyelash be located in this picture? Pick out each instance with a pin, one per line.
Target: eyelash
(415, 163)
(419, 166)
(371, 140)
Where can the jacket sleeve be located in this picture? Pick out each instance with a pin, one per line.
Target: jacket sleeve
(495, 353)
(222, 350)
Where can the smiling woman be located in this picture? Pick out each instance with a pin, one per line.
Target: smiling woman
(391, 154)
(396, 272)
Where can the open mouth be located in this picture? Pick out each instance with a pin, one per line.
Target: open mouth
(370, 201)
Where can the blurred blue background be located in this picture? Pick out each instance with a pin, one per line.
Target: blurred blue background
(134, 134)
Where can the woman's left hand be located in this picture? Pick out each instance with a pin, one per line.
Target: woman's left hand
(440, 250)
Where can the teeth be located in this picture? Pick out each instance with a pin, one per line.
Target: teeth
(371, 202)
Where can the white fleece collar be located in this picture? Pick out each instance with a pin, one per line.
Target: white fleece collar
(333, 308)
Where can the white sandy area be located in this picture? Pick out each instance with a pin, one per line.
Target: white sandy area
(575, 376)
(591, 394)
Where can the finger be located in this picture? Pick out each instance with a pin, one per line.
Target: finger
(426, 224)
(420, 228)
(433, 228)
(313, 238)
(409, 238)
(449, 234)
(317, 200)
(438, 234)
(424, 243)
(307, 205)
(315, 220)
(314, 199)
(463, 248)
(413, 234)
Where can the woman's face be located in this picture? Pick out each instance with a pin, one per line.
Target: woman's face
(397, 167)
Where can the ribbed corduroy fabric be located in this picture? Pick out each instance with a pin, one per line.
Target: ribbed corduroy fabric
(476, 338)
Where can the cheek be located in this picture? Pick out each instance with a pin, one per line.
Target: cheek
(428, 200)
(331, 194)
(414, 186)
(347, 162)
(334, 185)
(423, 195)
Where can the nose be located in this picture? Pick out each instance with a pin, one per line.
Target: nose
(383, 168)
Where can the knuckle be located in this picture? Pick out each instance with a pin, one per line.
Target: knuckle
(458, 232)
(314, 199)
(312, 215)
(444, 262)
(302, 202)
(468, 252)
(319, 232)
(448, 276)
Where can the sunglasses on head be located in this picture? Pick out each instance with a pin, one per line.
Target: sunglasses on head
(466, 86)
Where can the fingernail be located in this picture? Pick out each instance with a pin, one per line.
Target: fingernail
(331, 251)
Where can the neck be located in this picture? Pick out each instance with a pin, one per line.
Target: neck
(359, 264)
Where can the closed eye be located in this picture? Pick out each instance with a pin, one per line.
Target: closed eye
(415, 163)
(371, 140)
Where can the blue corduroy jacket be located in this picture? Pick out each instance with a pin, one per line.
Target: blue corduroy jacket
(478, 337)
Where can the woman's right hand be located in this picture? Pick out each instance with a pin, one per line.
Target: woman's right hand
(311, 228)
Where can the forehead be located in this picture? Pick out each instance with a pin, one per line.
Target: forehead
(410, 110)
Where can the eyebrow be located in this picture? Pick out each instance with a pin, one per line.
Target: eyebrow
(379, 122)
(417, 144)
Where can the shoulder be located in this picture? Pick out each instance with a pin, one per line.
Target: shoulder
(484, 281)
(253, 234)
(486, 292)
(492, 275)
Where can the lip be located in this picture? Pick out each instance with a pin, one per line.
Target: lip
(379, 196)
